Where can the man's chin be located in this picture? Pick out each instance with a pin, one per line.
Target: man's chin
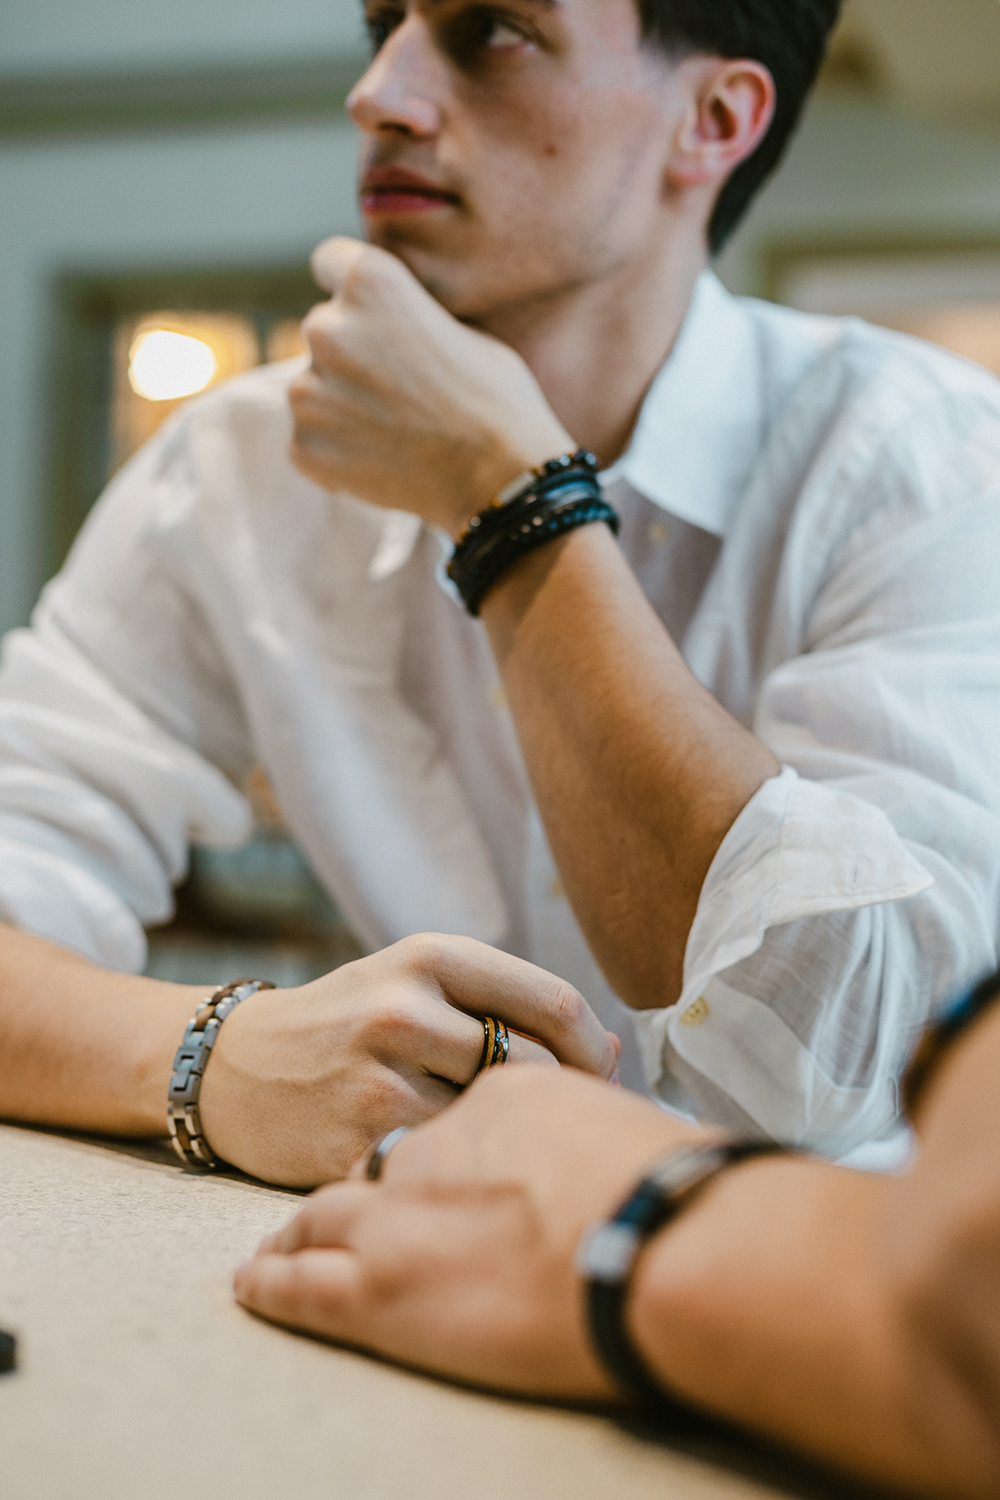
(487, 290)
(442, 278)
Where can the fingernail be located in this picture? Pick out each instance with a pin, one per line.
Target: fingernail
(616, 1078)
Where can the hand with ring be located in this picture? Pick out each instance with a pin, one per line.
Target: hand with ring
(303, 1081)
(496, 1047)
(457, 1253)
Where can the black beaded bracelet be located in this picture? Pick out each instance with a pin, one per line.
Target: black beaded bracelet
(547, 521)
(552, 500)
(608, 1252)
(529, 486)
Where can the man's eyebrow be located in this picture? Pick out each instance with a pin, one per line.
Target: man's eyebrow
(547, 5)
(536, 4)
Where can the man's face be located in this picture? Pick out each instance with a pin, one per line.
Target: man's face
(513, 152)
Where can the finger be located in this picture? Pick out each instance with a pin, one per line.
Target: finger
(326, 1221)
(458, 1043)
(524, 1049)
(451, 1047)
(333, 261)
(425, 1041)
(486, 981)
(310, 1290)
(460, 1052)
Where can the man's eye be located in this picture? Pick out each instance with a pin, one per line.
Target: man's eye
(498, 35)
(478, 32)
(380, 25)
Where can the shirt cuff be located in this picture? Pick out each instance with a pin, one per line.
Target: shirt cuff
(798, 849)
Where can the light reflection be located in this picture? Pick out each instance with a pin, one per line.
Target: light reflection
(165, 366)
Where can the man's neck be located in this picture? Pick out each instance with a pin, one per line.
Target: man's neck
(595, 349)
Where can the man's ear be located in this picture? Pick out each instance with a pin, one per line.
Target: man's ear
(729, 110)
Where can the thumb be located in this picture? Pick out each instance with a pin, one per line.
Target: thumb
(334, 260)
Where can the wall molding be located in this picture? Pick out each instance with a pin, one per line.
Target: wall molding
(172, 98)
(86, 306)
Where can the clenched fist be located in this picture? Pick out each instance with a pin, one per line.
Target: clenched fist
(404, 406)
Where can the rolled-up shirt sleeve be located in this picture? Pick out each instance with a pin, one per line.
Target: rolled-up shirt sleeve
(860, 888)
(114, 719)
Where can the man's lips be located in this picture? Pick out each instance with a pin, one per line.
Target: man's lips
(393, 190)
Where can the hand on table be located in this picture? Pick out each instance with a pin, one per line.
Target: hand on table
(404, 406)
(301, 1082)
(460, 1259)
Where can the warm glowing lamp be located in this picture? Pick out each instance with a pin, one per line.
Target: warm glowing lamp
(165, 366)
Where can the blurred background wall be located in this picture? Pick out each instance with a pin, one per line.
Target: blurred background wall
(137, 136)
(208, 136)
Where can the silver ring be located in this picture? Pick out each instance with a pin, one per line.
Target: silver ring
(376, 1161)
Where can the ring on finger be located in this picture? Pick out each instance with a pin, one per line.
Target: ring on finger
(496, 1045)
(376, 1161)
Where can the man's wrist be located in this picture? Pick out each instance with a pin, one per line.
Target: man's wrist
(502, 462)
(537, 508)
(161, 1010)
(610, 1250)
(184, 1119)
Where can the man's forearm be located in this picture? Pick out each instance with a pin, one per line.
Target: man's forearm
(767, 1304)
(638, 771)
(849, 1314)
(84, 1047)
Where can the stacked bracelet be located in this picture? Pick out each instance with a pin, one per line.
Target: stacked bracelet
(540, 505)
(183, 1114)
(608, 1252)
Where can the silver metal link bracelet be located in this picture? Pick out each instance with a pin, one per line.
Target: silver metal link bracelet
(183, 1115)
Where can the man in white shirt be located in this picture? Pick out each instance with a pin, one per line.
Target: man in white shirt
(754, 745)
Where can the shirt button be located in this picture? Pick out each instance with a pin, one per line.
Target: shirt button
(696, 1014)
(659, 534)
(556, 889)
(498, 698)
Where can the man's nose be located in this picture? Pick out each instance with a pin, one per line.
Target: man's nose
(402, 89)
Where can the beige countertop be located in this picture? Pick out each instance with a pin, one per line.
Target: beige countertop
(140, 1379)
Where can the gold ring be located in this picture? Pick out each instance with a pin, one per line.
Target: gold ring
(496, 1045)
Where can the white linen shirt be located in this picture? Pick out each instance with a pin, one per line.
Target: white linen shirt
(839, 489)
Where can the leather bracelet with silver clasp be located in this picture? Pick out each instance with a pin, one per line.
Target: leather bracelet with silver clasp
(608, 1251)
(183, 1114)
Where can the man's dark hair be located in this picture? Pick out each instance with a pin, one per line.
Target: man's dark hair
(788, 36)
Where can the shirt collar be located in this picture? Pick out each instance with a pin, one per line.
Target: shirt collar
(701, 425)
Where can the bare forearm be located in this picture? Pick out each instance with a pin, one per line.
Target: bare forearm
(778, 1303)
(85, 1047)
(637, 770)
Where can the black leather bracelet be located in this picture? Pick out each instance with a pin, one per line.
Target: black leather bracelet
(941, 1035)
(608, 1252)
(548, 521)
(552, 500)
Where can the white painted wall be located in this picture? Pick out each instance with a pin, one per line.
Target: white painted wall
(869, 170)
(39, 36)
